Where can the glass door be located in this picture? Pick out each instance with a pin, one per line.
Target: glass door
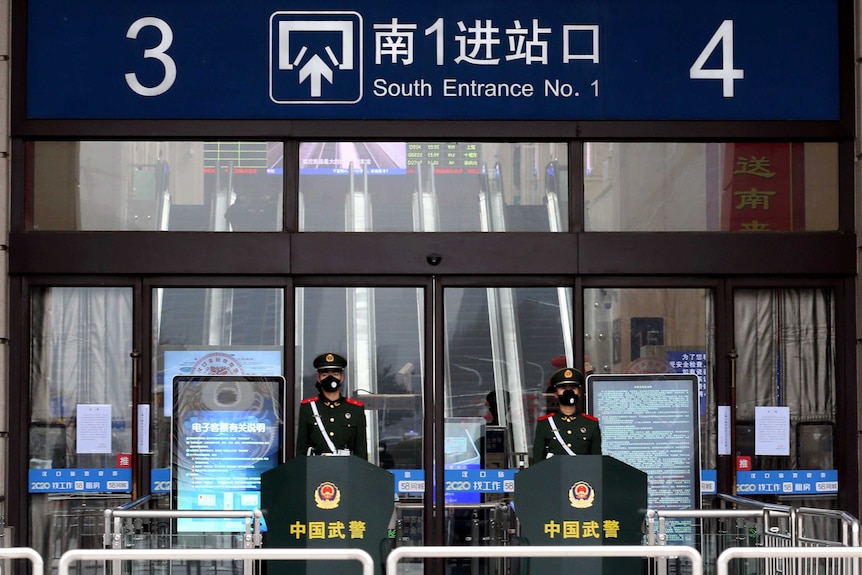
(784, 436)
(499, 348)
(81, 416)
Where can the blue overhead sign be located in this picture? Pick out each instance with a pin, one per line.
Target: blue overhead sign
(477, 59)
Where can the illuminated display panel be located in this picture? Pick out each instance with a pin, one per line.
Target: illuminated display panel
(651, 423)
(227, 431)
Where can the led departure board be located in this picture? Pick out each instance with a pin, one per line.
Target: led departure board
(445, 157)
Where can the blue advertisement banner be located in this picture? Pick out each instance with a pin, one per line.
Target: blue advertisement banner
(780, 482)
(708, 482)
(789, 482)
(503, 481)
(118, 480)
(480, 59)
(160, 480)
(458, 480)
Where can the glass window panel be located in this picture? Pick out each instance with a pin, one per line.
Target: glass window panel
(748, 186)
(645, 330)
(506, 341)
(379, 331)
(210, 331)
(80, 346)
(157, 186)
(433, 187)
(785, 339)
(501, 347)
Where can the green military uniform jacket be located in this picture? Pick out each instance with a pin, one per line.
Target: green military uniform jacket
(580, 432)
(344, 421)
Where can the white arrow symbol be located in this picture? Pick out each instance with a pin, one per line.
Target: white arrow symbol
(317, 69)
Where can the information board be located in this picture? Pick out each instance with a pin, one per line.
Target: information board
(478, 59)
(227, 431)
(651, 423)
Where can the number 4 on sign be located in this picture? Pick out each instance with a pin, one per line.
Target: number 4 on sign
(727, 73)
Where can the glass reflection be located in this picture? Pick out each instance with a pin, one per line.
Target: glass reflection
(81, 413)
(210, 331)
(379, 331)
(433, 186)
(675, 186)
(643, 330)
(786, 344)
(158, 186)
(502, 345)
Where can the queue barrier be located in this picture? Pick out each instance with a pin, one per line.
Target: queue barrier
(36, 561)
(120, 529)
(114, 530)
(842, 560)
(796, 560)
(246, 555)
(757, 524)
(517, 551)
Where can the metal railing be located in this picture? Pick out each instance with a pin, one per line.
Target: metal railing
(114, 525)
(508, 551)
(791, 560)
(796, 560)
(36, 562)
(246, 555)
(125, 529)
(490, 523)
(754, 524)
(749, 524)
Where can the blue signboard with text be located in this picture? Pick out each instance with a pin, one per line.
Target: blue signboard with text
(479, 59)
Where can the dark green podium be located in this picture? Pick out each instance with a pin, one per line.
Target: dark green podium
(327, 502)
(582, 500)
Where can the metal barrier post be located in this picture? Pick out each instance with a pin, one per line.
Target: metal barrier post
(25, 553)
(544, 551)
(74, 555)
(775, 553)
(656, 524)
(113, 538)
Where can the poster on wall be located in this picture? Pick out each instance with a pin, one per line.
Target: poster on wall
(227, 431)
(650, 421)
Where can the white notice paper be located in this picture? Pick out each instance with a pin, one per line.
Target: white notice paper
(94, 428)
(144, 428)
(772, 431)
(724, 430)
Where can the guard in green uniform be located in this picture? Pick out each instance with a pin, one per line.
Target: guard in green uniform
(567, 431)
(329, 423)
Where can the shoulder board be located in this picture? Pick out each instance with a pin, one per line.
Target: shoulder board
(352, 401)
(310, 399)
(546, 416)
(590, 417)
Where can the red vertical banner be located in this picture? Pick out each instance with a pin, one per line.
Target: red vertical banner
(763, 187)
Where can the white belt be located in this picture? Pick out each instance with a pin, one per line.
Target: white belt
(559, 437)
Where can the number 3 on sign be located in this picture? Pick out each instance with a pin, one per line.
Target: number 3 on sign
(159, 53)
(727, 73)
